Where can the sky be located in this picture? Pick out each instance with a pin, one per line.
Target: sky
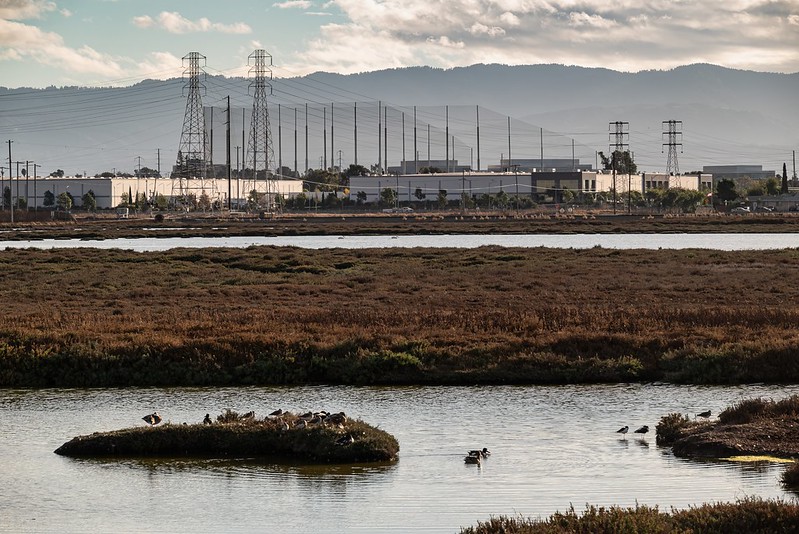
(120, 42)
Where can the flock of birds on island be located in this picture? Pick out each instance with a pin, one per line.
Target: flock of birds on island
(286, 419)
(644, 429)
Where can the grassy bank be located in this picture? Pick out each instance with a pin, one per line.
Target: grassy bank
(751, 515)
(760, 427)
(232, 436)
(491, 315)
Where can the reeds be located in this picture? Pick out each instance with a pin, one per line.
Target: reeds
(751, 515)
(748, 410)
(266, 315)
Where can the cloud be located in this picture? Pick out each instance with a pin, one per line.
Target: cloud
(174, 22)
(23, 42)
(24, 9)
(626, 35)
(289, 4)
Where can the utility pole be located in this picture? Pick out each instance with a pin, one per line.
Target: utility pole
(324, 138)
(9, 182)
(27, 182)
(227, 162)
(446, 135)
(35, 198)
(619, 129)
(355, 130)
(671, 163)
(477, 109)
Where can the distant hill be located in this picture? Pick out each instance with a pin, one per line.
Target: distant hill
(729, 116)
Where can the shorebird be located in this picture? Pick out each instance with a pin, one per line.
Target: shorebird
(207, 420)
(643, 430)
(623, 430)
(300, 423)
(152, 419)
(277, 413)
(704, 414)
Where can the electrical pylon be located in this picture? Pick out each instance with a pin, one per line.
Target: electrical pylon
(190, 172)
(674, 140)
(260, 155)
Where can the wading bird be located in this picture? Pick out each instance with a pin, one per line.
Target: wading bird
(704, 414)
(643, 430)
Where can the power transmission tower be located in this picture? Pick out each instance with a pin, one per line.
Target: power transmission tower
(619, 130)
(259, 149)
(674, 140)
(190, 171)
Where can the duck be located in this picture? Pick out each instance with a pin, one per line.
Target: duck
(152, 419)
(207, 420)
(345, 440)
(484, 453)
(705, 414)
(643, 430)
(623, 430)
(472, 459)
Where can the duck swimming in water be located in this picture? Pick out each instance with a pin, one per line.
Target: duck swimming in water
(484, 453)
(472, 459)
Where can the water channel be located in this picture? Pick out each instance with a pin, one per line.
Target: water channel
(552, 446)
(615, 241)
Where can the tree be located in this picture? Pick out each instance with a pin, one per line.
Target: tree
(623, 161)
(442, 198)
(502, 199)
(356, 170)
(57, 174)
(772, 186)
(361, 197)
(146, 172)
(429, 170)
(64, 202)
(49, 198)
(88, 201)
(204, 202)
(388, 197)
(784, 179)
(419, 194)
(725, 189)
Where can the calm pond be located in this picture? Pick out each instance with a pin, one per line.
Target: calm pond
(614, 241)
(552, 446)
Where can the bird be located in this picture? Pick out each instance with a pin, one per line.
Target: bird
(248, 415)
(643, 430)
(300, 423)
(623, 430)
(207, 420)
(704, 414)
(152, 419)
(472, 459)
(277, 413)
(345, 440)
(484, 452)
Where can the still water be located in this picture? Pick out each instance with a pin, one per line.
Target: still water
(551, 445)
(614, 241)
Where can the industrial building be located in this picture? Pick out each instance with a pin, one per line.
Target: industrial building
(111, 192)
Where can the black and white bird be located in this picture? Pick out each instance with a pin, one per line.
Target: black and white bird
(207, 420)
(484, 452)
(643, 430)
(277, 413)
(472, 458)
(704, 415)
(345, 440)
(152, 419)
(623, 430)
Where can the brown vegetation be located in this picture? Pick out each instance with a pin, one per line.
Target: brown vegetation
(750, 515)
(91, 317)
(759, 427)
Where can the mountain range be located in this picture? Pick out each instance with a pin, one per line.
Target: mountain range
(727, 116)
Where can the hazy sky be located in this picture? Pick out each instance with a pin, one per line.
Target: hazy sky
(102, 42)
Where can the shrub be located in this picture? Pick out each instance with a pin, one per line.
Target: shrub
(670, 428)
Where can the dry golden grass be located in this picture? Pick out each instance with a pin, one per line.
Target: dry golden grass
(497, 314)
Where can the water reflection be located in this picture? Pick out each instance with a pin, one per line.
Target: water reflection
(551, 446)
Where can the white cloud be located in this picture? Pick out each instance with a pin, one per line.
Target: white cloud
(289, 4)
(619, 34)
(24, 9)
(24, 42)
(66, 13)
(174, 22)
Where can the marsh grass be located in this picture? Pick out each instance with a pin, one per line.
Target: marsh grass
(670, 427)
(748, 410)
(267, 315)
(750, 515)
